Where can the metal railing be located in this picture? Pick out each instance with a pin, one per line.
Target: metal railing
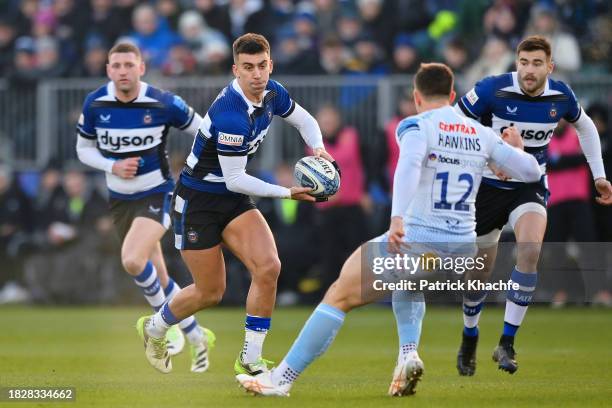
(38, 123)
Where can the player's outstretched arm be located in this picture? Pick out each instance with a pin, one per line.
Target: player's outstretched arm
(238, 181)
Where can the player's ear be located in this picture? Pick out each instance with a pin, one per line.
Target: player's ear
(143, 68)
(452, 96)
(108, 71)
(235, 70)
(417, 97)
(271, 65)
(551, 66)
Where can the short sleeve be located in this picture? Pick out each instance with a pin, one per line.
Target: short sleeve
(282, 102)
(476, 103)
(86, 124)
(232, 136)
(180, 114)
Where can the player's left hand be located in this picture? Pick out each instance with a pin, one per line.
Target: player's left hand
(604, 188)
(321, 152)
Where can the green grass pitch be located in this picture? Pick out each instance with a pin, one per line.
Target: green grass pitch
(565, 359)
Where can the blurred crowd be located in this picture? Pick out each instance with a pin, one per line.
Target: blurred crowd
(69, 38)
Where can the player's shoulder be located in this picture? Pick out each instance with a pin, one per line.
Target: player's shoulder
(556, 85)
(96, 94)
(411, 123)
(493, 83)
(167, 98)
(229, 112)
(275, 86)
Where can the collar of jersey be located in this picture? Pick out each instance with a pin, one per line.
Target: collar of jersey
(111, 90)
(517, 88)
(250, 105)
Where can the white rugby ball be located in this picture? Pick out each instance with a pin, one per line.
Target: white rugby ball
(318, 174)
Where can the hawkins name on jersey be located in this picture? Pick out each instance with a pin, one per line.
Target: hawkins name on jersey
(233, 126)
(458, 149)
(135, 129)
(499, 102)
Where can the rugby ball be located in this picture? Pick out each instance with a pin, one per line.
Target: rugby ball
(318, 174)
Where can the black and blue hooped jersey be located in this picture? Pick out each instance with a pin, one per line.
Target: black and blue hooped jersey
(499, 102)
(233, 126)
(132, 129)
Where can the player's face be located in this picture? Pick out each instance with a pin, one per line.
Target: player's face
(125, 70)
(533, 68)
(253, 72)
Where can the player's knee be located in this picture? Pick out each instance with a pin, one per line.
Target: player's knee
(267, 269)
(529, 254)
(341, 299)
(133, 264)
(209, 297)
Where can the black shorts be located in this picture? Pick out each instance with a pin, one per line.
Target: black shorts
(494, 205)
(155, 206)
(199, 218)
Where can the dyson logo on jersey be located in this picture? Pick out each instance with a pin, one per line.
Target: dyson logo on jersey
(528, 134)
(115, 143)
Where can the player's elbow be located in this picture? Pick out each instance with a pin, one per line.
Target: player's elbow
(233, 184)
(533, 173)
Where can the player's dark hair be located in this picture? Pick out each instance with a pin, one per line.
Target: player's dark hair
(535, 43)
(250, 43)
(434, 79)
(124, 48)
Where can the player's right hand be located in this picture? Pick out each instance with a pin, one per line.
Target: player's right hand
(301, 194)
(512, 136)
(396, 236)
(126, 168)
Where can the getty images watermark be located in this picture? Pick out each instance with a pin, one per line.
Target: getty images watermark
(418, 273)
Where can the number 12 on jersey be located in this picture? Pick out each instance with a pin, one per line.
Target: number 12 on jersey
(452, 192)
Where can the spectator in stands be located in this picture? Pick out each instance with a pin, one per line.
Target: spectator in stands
(248, 16)
(368, 56)
(171, 11)
(49, 63)
(15, 226)
(500, 21)
(496, 58)
(342, 217)
(152, 35)
(25, 16)
(7, 43)
(565, 47)
(180, 62)
(570, 195)
(455, 55)
(107, 21)
(603, 215)
(406, 58)
(78, 223)
(333, 55)
(94, 61)
(326, 13)
(291, 59)
(349, 27)
(405, 108)
(216, 16)
(23, 72)
(376, 16)
(209, 47)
